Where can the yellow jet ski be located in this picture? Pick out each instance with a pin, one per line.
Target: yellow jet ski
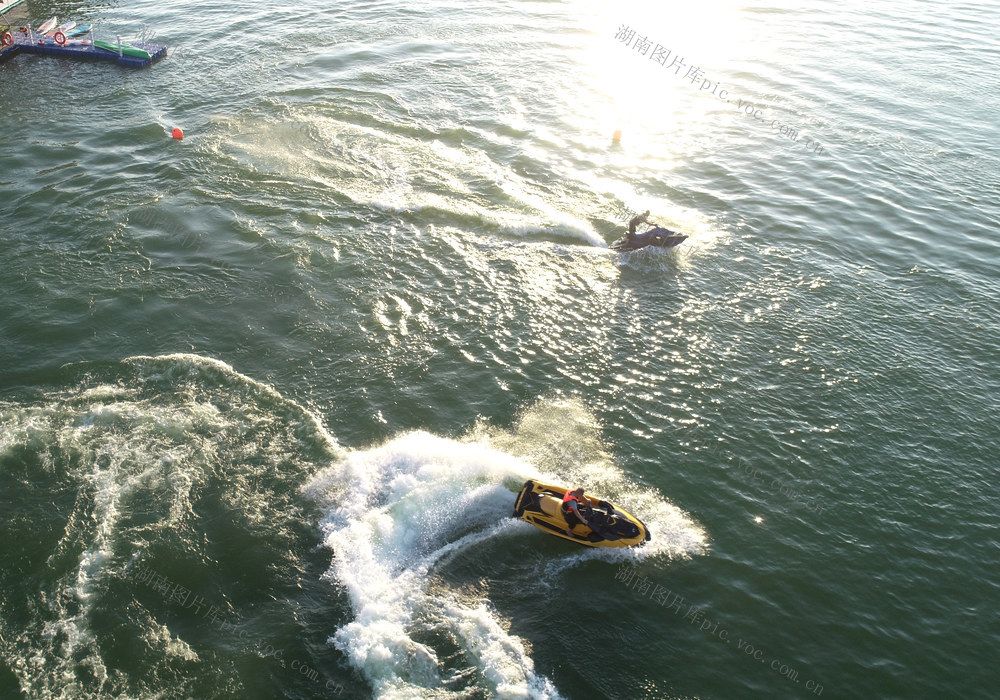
(610, 526)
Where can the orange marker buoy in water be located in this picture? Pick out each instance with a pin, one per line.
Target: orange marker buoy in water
(617, 136)
(177, 134)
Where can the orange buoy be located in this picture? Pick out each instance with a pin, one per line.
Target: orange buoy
(177, 134)
(617, 136)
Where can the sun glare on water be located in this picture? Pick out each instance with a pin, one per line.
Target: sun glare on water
(653, 66)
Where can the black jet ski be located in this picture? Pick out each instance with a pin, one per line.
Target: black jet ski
(656, 237)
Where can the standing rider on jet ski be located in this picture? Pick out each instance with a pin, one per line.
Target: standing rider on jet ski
(635, 221)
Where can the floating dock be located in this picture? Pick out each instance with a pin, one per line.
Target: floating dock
(84, 49)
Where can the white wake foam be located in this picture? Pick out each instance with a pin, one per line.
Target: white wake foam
(387, 530)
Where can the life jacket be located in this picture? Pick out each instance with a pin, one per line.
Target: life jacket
(570, 496)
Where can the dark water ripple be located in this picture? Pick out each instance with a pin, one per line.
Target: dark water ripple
(375, 271)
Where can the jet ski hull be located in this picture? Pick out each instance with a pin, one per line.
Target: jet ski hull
(653, 238)
(541, 505)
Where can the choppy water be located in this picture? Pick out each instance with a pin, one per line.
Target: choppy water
(267, 393)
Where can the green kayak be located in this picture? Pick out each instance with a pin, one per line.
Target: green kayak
(127, 50)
